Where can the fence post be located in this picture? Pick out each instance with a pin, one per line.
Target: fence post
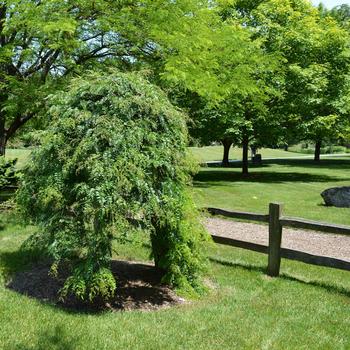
(275, 238)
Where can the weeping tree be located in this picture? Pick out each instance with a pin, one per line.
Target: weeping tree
(112, 163)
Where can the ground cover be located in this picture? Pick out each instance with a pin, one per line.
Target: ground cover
(212, 153)
(296, 183)
(308, 307)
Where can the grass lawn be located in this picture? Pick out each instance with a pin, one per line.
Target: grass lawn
(296, 183)
(211, 153)
(307, 308)
(21, 154)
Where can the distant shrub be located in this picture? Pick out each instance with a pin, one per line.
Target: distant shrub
(333, 149)
(309, 149)
(114, 157)
(8, 174)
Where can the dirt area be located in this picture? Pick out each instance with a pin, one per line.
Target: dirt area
(312, 242)
(138, 287)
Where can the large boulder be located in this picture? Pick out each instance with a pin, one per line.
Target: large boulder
(337, 197)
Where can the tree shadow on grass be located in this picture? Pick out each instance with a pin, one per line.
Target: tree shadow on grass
(53, 339)
(256, 268)
(211, 178)
(139, 285)
(338, 164)
(330, 288)
(16, 261)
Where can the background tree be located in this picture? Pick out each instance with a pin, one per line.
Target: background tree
(314, 50)
(341, 13)
(233, 75)
(43, 44)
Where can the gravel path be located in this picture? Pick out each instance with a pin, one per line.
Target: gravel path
(312, 242)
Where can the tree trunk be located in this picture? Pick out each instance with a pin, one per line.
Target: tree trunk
(225, 160)
(159, 242)
(6, 134)
(317, 151)
(3, 136)
(245, 145)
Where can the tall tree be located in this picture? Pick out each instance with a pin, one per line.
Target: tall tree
(235, 77)
(314, 49)
(341, 14)
(43, 43)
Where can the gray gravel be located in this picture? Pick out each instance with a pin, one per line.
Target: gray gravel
(312, 242)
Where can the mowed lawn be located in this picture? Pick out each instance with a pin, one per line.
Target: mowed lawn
(22, 156)
(308, 307)
(295, 183)
(212, 153)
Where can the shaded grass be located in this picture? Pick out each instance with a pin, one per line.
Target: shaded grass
(296, 183)
(6, 194)
(308, 308)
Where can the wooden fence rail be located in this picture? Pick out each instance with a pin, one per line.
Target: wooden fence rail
(276, 223)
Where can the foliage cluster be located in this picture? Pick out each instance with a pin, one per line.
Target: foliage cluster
(254, 73)
(298, 59)
(113, 162)
(8, 173)
(309, 149)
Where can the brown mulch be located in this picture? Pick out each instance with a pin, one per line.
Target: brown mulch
(138, 287)
(311, 242)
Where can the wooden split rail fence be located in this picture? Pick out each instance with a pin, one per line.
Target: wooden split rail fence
(276, 223)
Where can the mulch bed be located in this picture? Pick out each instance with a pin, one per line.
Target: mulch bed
(138, 288)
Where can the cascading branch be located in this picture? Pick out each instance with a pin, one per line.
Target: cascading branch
(114, 155)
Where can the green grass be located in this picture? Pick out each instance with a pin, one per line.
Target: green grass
(296, 183)
(211, 153)
(307, 308)
(21, 154)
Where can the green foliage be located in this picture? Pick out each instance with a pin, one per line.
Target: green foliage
(88, 284)
(8, 173)
(341, 13)
(233, 80)
(44, 43)
(315, 49)
(113, 162)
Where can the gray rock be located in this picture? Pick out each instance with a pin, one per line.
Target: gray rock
(337, 197)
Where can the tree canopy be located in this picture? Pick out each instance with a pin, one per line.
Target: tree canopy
(316, 54)
(297, 60)
(44, 43)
